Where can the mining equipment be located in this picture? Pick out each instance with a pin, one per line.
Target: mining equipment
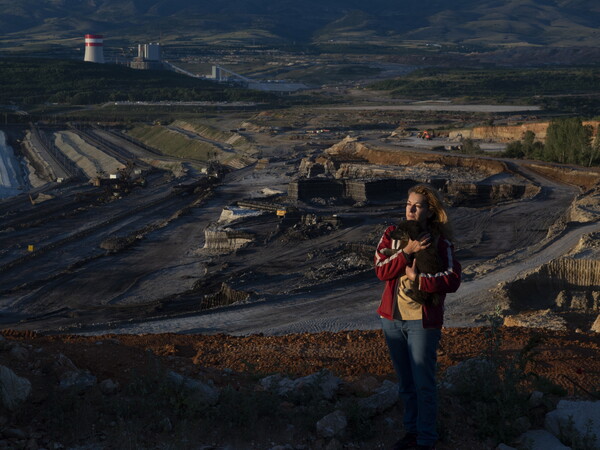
(425, 134)
(120, 183)
(215, 170)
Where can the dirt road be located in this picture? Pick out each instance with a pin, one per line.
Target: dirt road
(437, 106)
(337, 308)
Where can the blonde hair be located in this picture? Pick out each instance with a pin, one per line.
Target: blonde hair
(439, 223)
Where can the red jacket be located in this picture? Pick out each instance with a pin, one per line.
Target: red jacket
(391, 268)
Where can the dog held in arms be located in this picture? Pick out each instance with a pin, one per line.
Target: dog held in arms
(428, 260)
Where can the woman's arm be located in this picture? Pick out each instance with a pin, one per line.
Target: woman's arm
(390, 263)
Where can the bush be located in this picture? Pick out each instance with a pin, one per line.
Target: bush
(495, 388)
(470, 147)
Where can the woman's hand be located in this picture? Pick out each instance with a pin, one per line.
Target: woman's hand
(417, 245)
(411, 271)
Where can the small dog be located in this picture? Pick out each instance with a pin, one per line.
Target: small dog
(428, 260)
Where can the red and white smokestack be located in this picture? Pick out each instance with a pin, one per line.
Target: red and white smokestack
(94, 48)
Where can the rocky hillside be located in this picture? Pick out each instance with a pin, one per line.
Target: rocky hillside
(463, 23)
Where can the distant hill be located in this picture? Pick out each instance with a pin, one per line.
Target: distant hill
(572, 23)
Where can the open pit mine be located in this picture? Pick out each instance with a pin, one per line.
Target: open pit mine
(113, 235)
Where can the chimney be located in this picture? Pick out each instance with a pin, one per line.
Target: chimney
(94, 48)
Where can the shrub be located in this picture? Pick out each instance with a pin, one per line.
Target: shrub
(495, 388)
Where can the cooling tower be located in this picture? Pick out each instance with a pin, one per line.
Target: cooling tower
(94, 48)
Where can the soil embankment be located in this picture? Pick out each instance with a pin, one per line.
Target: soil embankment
(568, 283)
(510, 132)
(357, 149)
(584, 178)
(88, 158)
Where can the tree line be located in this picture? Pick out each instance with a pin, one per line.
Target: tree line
(493, 82)
(568, 141)
(574, 90)
(30, 81)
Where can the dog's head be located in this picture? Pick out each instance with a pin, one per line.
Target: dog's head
(410, 228)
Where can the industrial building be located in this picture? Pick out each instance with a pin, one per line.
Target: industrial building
(149, 57)
(94, 48)
(222, 75)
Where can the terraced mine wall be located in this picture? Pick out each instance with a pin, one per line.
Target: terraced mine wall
(42, 169)
(361, 173)
(565, 283)
(352, 149)
(362, 191)
(489, 166)
(479, 194)
(585, 178)
(224, 297)
(459, 193)
(310, 188)
(342, 161)
(226, 239)
(509, 133)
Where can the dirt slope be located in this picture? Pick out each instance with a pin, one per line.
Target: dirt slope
(569, 360)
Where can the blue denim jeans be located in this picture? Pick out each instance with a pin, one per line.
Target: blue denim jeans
(413, 350)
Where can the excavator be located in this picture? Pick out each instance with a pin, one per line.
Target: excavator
(425, 134)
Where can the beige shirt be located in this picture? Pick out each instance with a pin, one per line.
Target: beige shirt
(406, 307)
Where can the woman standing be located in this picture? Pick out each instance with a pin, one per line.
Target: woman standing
(413, 330)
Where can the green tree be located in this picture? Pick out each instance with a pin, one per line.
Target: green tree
(533, 149)
(528, 147)
(514, 150)
(470, 147)
(568, 141)
(594, 158)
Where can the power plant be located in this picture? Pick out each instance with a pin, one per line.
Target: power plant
(94, 48)
(149, 57)
(149, 52)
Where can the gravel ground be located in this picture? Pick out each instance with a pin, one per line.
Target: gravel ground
(359, 358)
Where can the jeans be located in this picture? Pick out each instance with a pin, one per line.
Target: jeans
(413, 350)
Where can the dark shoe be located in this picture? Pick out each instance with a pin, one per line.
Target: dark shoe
(408, 441)
(425, 447)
